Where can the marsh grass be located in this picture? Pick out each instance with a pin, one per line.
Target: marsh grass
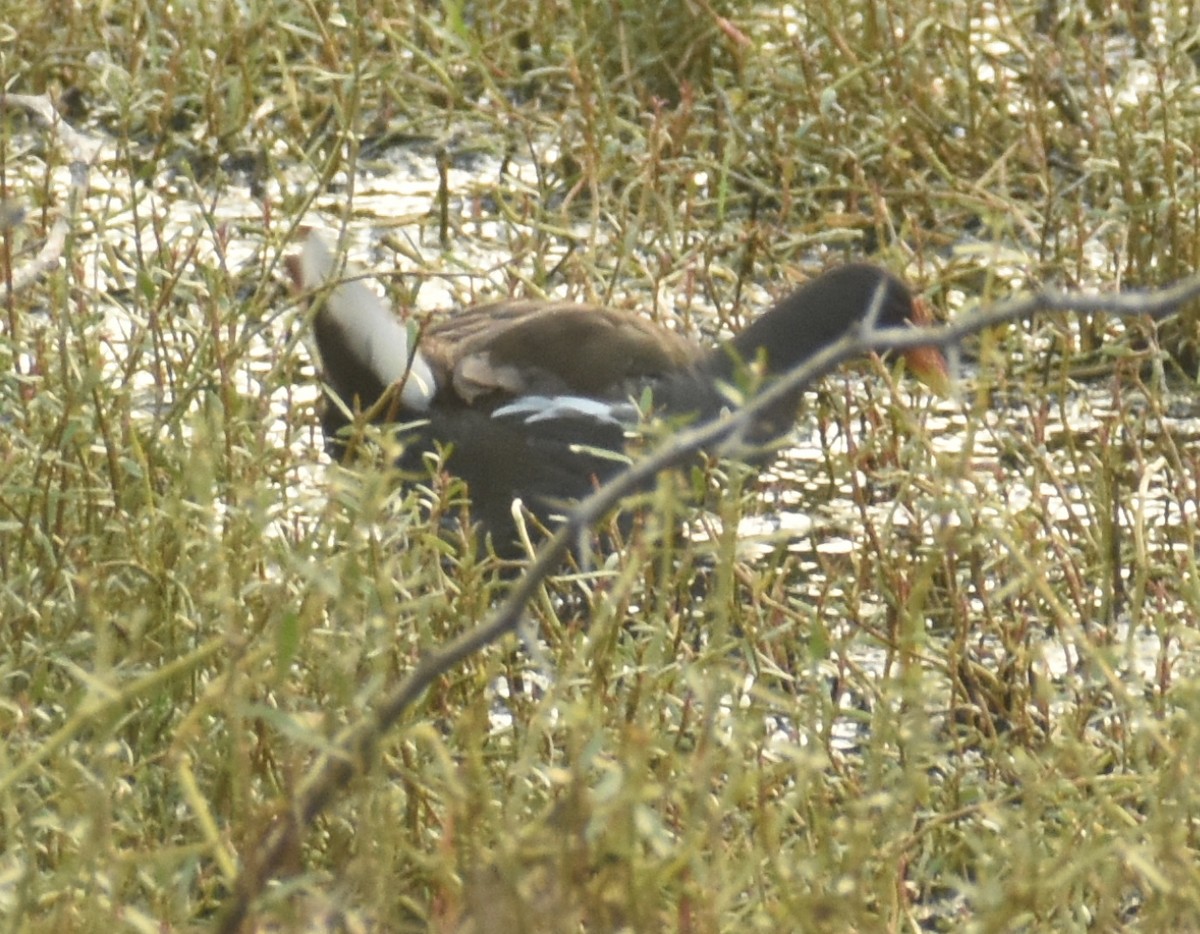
(934, 709)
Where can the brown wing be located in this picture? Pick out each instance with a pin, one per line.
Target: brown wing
(517, 348)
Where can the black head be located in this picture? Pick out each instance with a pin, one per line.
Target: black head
(820, 312)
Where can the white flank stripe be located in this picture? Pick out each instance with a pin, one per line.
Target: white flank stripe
(544, 408)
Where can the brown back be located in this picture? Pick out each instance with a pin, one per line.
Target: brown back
(514, 348)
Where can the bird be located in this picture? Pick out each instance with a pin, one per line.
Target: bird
(536, 401)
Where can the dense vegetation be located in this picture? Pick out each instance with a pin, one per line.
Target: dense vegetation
(965, 697)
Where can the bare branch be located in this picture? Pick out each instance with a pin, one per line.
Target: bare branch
(354, 749)
(83, 152)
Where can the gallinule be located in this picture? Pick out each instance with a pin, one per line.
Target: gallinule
(534, 400)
